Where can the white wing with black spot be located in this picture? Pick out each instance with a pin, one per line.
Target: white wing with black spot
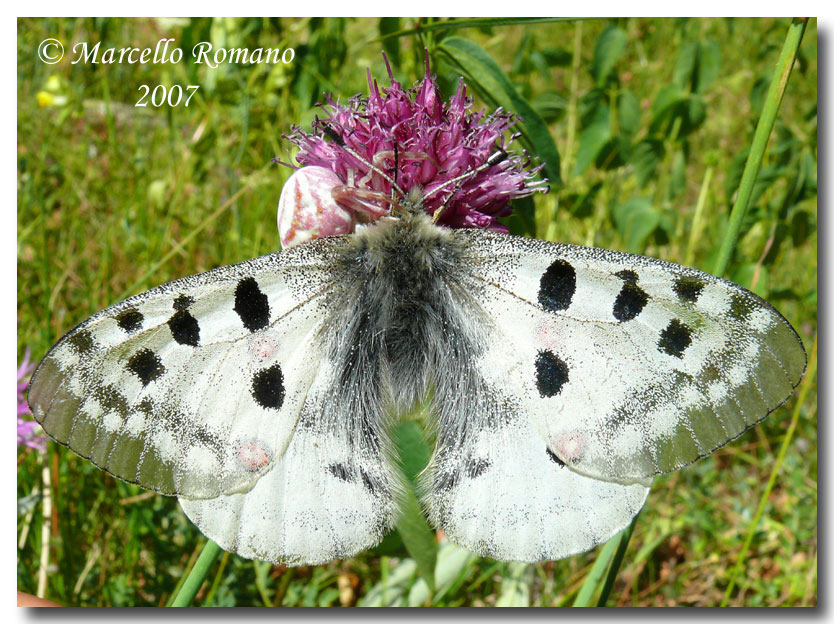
(330, 495)
(629, 366)
(496, 488)
(217, 388)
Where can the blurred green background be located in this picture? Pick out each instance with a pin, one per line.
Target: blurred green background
(644, 117)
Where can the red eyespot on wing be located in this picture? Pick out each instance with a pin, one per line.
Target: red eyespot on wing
(253, 455)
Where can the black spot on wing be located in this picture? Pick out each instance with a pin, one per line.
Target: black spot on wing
(182, 302)
(551, 373)
(251, 304)
(184, 328)
(81, 342)
(476, 467)
(629, 302)
(371, 484)
(555, 459)
(110, 399)
(628, 276)
(268, 387)
(130, 320)
(688, 288)
(740, 307)
(675, 338)
(146, 365)
(557, 286)
(446, 480)
(341, 472)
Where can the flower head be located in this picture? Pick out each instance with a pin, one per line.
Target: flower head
(419, 140)
(26, 429)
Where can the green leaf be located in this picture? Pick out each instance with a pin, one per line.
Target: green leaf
(685, 62)
(635, 220)
(551, 106)
(664, 106)
(614, 153)
(557, 57)
(608, 49)
(488, 80)
(591, 141)
(645, 158)
(697, 65)
(629, 113)
(417, 536)
(709, 64)
(391, 45)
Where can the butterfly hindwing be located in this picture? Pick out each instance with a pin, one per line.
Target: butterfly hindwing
(329, 495)
(497, 489)
(629, 366)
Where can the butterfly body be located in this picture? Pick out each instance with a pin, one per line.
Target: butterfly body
(559, 381)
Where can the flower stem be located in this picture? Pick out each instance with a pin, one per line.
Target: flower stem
(760, 137)
(197, 575)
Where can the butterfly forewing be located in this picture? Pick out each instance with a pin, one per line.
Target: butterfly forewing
(630, 366)
(163, 388)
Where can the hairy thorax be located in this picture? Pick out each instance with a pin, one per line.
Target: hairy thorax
(398, 318)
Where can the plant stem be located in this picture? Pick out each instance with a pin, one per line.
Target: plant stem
(197, 575)
(786, 442)
(47, 517)
(567, 163)
(695, 232)
(760, 138)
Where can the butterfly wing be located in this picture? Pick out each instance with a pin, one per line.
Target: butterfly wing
(215, 388)
(497, 490)
(598, 370)
(630, 366)
(330, 495)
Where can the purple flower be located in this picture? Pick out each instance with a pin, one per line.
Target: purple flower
(429, 140)
(27, 430)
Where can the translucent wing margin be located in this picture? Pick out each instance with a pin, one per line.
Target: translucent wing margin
(628, 366)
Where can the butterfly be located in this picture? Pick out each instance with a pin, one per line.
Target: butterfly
(559, 381)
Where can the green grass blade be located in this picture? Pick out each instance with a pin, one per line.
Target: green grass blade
(197, 575)
(478, 22)
(625, 536)
(757, 149)
(592, 581)
(605, 568)
(489, 81)
(810, 376)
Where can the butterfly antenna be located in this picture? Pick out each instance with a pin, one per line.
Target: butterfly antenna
(458, 181)
(336, 137)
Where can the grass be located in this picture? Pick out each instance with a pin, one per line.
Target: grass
(114, 199)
